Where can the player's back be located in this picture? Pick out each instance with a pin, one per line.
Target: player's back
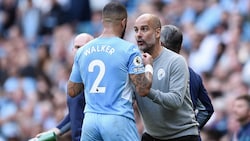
(105, 64)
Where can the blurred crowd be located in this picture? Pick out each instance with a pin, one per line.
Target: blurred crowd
(36, 58)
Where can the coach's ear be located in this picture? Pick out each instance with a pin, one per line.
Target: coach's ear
(158, 32)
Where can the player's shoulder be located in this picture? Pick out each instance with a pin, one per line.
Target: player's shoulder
(129, 46)
(126, 42)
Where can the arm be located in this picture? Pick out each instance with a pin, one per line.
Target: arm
(143, 81)
(60, 129)
(204, 106)
(75, 85)
(64, 125)
(74, 89)
(175, 85)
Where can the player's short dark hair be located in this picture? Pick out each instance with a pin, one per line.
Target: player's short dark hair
(114, 11)
(171, 37)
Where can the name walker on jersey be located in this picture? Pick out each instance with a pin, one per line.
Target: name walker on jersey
(99, 48)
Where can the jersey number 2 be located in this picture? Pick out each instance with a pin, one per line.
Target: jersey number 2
(95, 87)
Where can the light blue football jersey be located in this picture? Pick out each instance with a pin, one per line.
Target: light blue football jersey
(104, 65)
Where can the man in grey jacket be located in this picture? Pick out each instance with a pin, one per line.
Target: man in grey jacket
(167, 111)
(171, 38)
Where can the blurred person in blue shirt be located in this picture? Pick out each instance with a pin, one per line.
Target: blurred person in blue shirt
(241, 110)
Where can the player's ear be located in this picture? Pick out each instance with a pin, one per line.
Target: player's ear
(124, 22)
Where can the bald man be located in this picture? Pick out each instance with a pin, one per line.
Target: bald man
(166, 111)
(171, 38)
(73, 120)
(80, 40)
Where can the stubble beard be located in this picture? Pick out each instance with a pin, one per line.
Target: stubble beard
(147, 48)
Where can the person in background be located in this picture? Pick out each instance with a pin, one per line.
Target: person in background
(241, 110)
(171, 38)
(73, 120)
(108, 69)
(167, 110)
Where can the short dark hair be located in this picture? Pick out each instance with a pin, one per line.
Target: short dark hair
(114, 11)
(245, 97)
(171, 37)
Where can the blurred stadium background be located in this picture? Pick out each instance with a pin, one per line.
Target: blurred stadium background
(35, 56)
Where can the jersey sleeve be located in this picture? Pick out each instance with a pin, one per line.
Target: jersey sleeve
(136, 65)
(204, 105)
(64, 125)
(75, 75)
